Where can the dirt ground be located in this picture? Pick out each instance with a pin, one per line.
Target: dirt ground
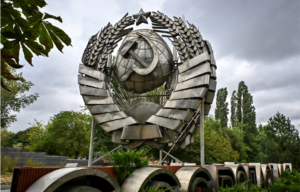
(6, 178)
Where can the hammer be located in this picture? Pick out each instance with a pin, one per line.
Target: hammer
(127, 50)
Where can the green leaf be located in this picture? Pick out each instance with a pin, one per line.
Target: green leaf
(28, 55)
(45, 38)
(12, 63)
(59, 33)
(35, 30)
(36, 48)
(40, 3)
(14, 46)
(56, 41)
(7, 53)
(4, 86)
(9, 35)
(47, 16)
(3, 39)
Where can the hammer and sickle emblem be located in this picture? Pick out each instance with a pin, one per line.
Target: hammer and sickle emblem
(141, 67)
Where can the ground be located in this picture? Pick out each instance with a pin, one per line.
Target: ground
(6, 178)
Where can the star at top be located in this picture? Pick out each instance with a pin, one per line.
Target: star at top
(141, 17)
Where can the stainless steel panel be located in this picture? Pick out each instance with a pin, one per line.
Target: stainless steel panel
(138, 180)
(236, 168)
(175, 114)
(213, 72)
(195, 129)
(53, 180)
(84, 80)
(287, 166)
(189, 139)
(212, 85)
(183, 104)
(189, 93)
(105, 117)
(275, 171)
(117, 124)
(142, 110)
(194, 72)
(168, 123)
(195, 82)
(189, 178)
(138, 132)
(96, 109)
(193, 62)
(94, 91)
(257, 167)
(116, 138)
(168, 137)
(266, 175)
(94, 100)
(209, 97)
(206, 109)
(92, 72)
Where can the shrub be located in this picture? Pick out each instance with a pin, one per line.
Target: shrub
(242, 187)
(32, 163)
(125, 162)
(7, 164)
(155, 189)
(289, 181)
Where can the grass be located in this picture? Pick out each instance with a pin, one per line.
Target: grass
(7, 164)
(32, 163)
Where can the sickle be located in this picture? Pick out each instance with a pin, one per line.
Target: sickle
(151, 67)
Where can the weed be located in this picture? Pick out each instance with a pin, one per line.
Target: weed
(32, 163)
(7, 164)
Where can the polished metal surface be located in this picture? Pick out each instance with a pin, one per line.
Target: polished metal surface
(82, 188)
(94, 91)
(175, 114)
(105, 117)
(151, 50)
(116, 138)
(117, 124)
(239, 171)
(206, 108)
(142, 110)
(203, 80)
(287, 166)
(53, 181)
(197, 71)
(172, 124)
(183, 104)
(96, 109)
(85, 80)
(213, 72)
(168, 137)
(209, 97)
(138, 132)
(257, 169)
(189, 93)
(266, 175)
(275, 171)
(95, 100)
(141, 17)
(92, 73)
(199, 59)
(212, 85)
(191, 177)
(141, 178)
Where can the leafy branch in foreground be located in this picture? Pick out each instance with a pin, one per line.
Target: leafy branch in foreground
(22, 24)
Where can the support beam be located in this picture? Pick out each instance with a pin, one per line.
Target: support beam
(202, 133)
(160, 157)
(106, 154)
(171, 156)
(91, 143)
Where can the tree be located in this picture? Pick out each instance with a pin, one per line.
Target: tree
(243, 115)
(221, 111)
(21, 25)
(280, 141)
(70, 131)
(16, 99)
(7, 138)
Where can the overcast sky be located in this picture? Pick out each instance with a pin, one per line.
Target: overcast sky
(255, 41)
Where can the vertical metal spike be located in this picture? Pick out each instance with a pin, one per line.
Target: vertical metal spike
(109, 61)
(175, 58)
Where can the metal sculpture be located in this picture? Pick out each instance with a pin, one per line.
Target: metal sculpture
(145, 63)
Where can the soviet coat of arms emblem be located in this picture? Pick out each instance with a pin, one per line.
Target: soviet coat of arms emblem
(160, 91)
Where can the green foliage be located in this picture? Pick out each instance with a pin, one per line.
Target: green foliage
(31, 163)
(22, 24)
(156, 189)
(16, 99)
(243, 115)
(67, 133)
(102, 140)
(279, 141)
(242, 187)
(221, 111)
(7, 164)
(125, 162)
(7, 138)
(289, 181)
(217, 148)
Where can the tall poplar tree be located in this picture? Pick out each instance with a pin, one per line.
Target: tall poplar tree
(243, 115)
(221, 111)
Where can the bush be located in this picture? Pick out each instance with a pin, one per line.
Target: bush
(125, 162)
(32, 163)
(7, 164)
(155, 189)
(242, 187)
(289, 181)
